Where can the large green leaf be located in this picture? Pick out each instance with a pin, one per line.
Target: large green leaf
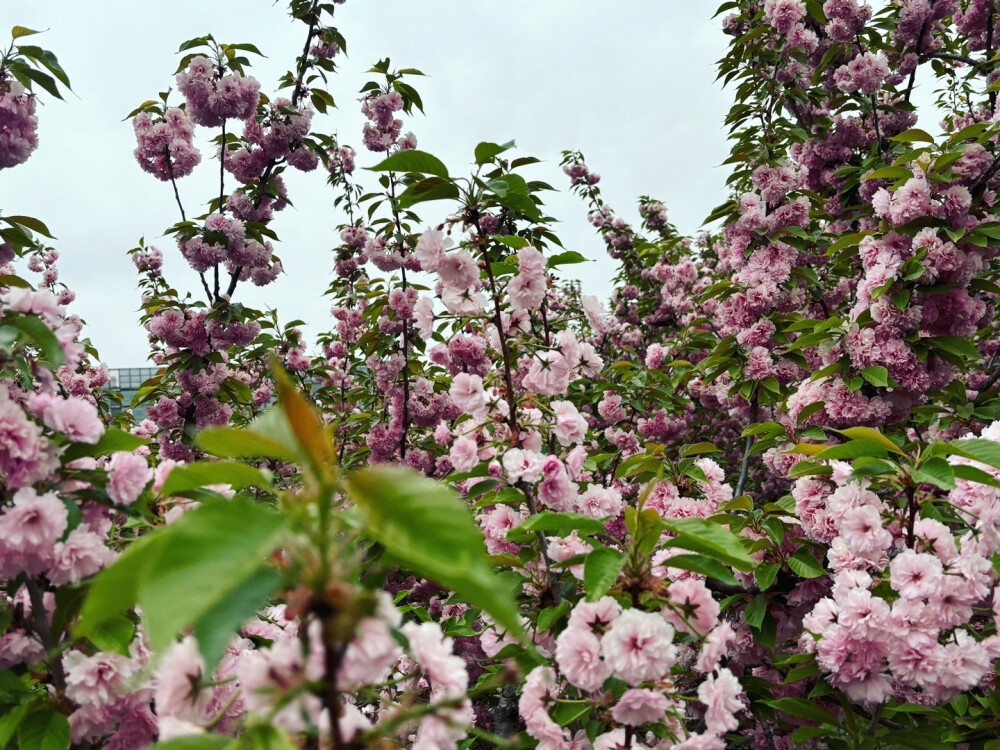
(269, 436)
(935, 471)
(485, 151)
(706, 566)
(426, 528)
(196, 742)
(709, 538)
(35, 329)
(804, 563)
(803, 708)
(431, 189)
(853, 449)
(600, 571)
(207, 571)
(44, 730)
(562, 524)
(187, 477)
(980, 449)
(112, 441)
(412, 161)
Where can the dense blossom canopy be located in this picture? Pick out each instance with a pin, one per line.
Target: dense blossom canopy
(753, 500)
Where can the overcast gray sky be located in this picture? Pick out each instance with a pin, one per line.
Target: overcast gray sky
(630, 84)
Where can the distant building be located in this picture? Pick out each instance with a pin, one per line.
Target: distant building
(128, 381)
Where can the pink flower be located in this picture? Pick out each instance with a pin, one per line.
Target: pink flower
(433, 651)
(522, 464)
(431, 249)
(423, 317)
(177, 680)
(33, 524)
(82, 554)
(655, 356)
(721, 694)
(549, 374)
(128, 475)
(570, 426)
(692, 608)
(540, 692)
(467, 392)
(369, 656)
(556, 490)
(458, 270)
(863, 533)
(76, 418)
(595, 313)
(783, 14)
(637, 707)
(526, 292)
(639, 646)
(578, 654)
(915, 575)
(715, 647)
(464, 454)
(600, 502)
(96, 680)
(595, 616)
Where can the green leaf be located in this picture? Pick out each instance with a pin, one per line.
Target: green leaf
(193, 476)
(561, 524)
(269, 436)
(112, 441)
(39, 334)
(853, 449)
(972, 474)
(312, 438)
(44, 730)
(755, 611)
(804, 709)
(431, 189)
(706, 566)
(805, 565)
(115, 634)
(765, 575)
(196, 742)
(954, 345)
(698, 449)
(10, 720)
(412, 161)
(11, 688)
(565, 259)
(486, 151)
(936, 471)
(708, 538)
(566, 712)
(889, 173)
(548, 616)
(980, 449)
(912, 135)
(31, 223)
(876, 375)
(600, 571)
(18, 31)
(427, 528)
(869, 433)
(194, 573)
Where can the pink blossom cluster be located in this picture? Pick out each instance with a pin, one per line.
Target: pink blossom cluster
(381, 132)
(166, 145)
(18, 124)
(213, 96)
(936, 580)
(601, 641)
